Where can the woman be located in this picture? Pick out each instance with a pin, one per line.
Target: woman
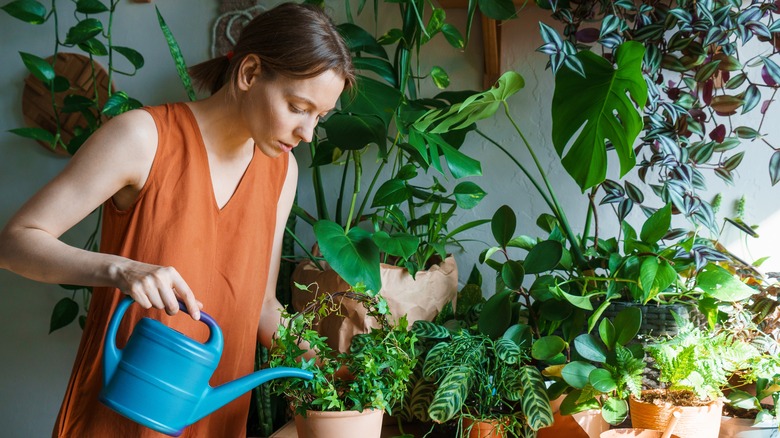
(195, 200)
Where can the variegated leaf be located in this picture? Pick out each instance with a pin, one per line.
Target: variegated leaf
(449, 397)
(535, 403)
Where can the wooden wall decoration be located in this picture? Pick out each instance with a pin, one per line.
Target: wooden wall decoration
(37, 106)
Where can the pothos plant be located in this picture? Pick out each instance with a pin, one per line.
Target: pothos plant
(380, 362)
(701, 83)
(91, 34)
(402, 217)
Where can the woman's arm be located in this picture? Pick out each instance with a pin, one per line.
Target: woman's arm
(114, 162)
(271, 316)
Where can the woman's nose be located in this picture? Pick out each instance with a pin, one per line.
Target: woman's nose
(306, 130)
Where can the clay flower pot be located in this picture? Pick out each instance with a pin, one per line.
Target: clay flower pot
(320, 424)
(634, 433)
(695, 422)
(485, 428)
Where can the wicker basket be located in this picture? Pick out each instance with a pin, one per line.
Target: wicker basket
(695, 422)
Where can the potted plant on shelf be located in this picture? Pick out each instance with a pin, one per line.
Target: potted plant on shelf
(695, 365)
(375, 370)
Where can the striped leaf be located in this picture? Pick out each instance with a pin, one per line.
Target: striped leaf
(449, 397)
(429, 330)
(178, 58)
(507, 351)
(536, 405)
(511, 384)
(422, 396)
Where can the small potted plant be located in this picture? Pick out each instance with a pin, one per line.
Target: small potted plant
(377, 365)
(695, 365)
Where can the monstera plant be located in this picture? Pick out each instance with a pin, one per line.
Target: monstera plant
(706, 65)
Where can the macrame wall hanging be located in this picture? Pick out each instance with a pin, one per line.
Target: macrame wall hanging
(234, 15)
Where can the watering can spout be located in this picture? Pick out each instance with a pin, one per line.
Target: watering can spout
(215, 398)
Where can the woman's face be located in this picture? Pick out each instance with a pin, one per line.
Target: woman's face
(282, 112)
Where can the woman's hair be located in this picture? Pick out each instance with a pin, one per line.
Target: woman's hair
(298, 41)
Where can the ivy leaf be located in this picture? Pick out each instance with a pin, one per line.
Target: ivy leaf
(593, 102)
(468, 195)
(42, 70)
(131, 55)
(83, 31)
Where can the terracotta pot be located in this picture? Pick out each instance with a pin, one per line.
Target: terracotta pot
(483, 428)
(318, 424)
(421, 297)
(634, 433)
(586, 424)
(695, 422)
(731, 427)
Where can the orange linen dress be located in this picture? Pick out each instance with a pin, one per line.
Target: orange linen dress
(224, 256)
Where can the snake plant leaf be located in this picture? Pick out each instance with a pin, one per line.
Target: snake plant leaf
(178, 58)
(536, 405)
(449, 397)
(600, 103)
(353, 255)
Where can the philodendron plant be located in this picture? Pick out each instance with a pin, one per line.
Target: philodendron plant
(605, 370)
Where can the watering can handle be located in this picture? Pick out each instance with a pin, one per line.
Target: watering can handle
(215, 340)
(112, 355)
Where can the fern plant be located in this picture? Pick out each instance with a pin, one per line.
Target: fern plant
(700, 361)
(609, 369)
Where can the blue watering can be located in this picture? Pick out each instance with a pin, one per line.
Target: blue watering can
(161, 378)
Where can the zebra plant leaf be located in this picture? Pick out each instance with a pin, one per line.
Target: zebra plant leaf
(421, 398)
(429, 330)
(511, 384)
(536, 405)
(507, 351)
(449, 397)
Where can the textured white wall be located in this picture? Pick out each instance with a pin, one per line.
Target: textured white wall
(35, 366)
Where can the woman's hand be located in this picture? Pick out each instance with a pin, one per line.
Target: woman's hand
(155, 286)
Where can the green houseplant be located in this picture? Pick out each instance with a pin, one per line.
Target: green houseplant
(379, 363)
(695, 365)
(477, 369)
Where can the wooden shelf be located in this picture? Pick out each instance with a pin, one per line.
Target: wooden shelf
(491, 41)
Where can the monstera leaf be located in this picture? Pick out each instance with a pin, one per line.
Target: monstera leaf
(600, 101)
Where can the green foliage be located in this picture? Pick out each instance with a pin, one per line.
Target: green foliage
(608, 371)
(380, 362)
(605, 102)
(700, 361)
(406, 213)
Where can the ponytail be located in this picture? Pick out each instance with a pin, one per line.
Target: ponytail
(210, 75)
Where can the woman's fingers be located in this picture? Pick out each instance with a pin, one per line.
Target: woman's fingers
(161, 288)
(184, 293)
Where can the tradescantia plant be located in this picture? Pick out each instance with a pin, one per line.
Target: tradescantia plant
(700, 83)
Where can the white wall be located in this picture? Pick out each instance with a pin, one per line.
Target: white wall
(35, 365)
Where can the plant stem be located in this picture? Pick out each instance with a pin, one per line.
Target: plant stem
(316, 176)
(355, 189)
(556, 208)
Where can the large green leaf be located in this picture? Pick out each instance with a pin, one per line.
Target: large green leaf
(503, 225)
(545, 256)
(498, 10)
(65, 311)
(38, 66)
(576, 373)
(353, 255)
(589, 347)
(83, 30)
(627, 324)
(399, 244)
(721, 285)
(536, 406)
(370, 96)
(29, 11)
(354, 132)
(599, 102)
(468, 194)
(657, 225)
(614, 411)
(496, 315)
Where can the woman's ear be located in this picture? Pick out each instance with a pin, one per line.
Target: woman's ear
(248, 72)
